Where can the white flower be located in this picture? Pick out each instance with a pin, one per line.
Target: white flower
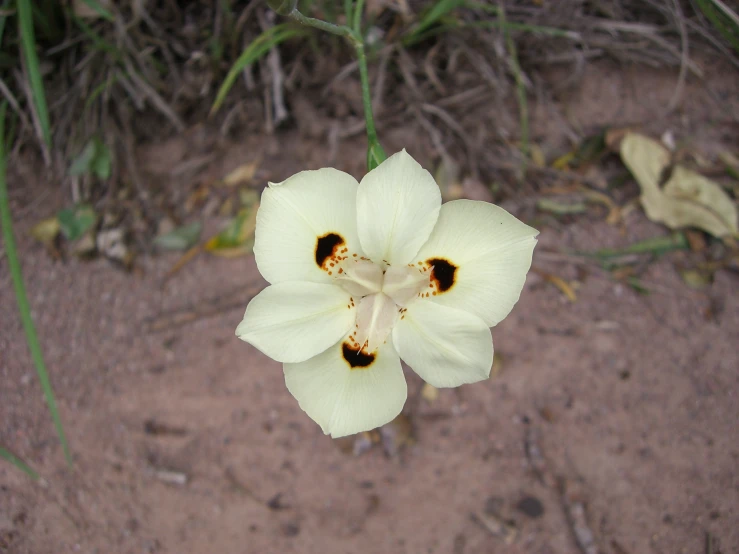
(363, 274)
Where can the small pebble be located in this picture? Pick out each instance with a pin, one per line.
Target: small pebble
(531, 506)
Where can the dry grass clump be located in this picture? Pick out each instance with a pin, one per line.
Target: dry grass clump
(131, 72)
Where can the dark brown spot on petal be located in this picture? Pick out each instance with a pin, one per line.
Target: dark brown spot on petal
(355, 357)
(327, 247)
(443, 273)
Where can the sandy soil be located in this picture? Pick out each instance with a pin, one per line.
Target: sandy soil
(620, 404)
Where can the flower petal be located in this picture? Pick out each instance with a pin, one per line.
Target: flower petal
(403, 283)
(376, 315)
(293, 217)
(445, 346)
(291, 322)
(343, 399)
(397, 208)
(481, 255)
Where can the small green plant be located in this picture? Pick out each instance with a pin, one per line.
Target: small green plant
(95, 159)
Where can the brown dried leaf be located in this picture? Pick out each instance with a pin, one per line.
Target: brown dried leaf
(687, 199)
(429, 393)
(241, 175)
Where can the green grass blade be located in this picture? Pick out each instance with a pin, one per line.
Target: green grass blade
(17, 462)
(258, 48)
(536, 29)
(348, 10)
(28, 42)
(99, 42)
(20, 294)
(723, 19)
(439, 10)
(432, 16)
(100, 89)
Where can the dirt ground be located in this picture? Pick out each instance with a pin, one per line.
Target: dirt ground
(186, 440)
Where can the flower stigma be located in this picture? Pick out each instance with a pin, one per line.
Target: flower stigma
(379, 292)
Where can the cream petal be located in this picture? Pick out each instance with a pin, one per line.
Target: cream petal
(291, 322)
(360, 278)
(299, 223)
(481, 255)
(397, 208)
(343, 399)
(445, 346)
(376, 315)
(403, 283)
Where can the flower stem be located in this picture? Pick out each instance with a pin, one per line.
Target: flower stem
(357, 23)
(366, 96)
(375, 154)
(341, 30)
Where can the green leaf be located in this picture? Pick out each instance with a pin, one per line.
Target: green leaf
(94, 159)
(561, 208)
(22, 299)
(654, 245)
(180, 238)
(75, 222)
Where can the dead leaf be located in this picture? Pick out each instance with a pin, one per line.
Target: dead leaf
(87, 10)
(46, 231)
(696, 240)
(558, 282)
(560, 208)
(496, 526)
(687, 200)
(197, 198)
(732, 164)
(84, 247)
(248, 197)
(497, 365)
(183, 260)
(447, 177)
(695, 278)
(241, 175)
(112, 244)
(429, 393)
(227, 208)
(538, 159)
(563, 162)
(472, 189)
(709, 206)
(237, 239)
(397, 434)
(614, 137)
